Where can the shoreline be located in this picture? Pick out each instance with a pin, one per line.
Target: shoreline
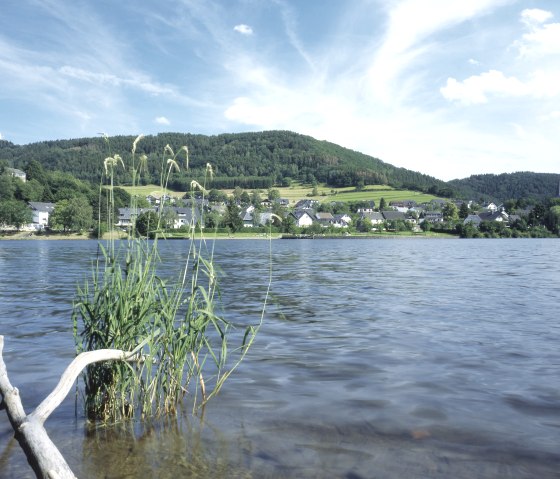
(26, 235)
(29, 236)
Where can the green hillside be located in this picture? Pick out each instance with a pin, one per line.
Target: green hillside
(248, 160)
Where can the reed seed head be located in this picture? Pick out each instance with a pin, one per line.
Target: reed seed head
(195, 185)
(168, 150)
(172, 164)
(186, 150)
(138, 138)
(143, 163)
(111, 161)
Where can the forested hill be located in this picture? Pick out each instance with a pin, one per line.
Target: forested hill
(509, 185)
(249, 160)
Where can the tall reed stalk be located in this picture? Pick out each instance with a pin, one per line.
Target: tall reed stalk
(173, 325)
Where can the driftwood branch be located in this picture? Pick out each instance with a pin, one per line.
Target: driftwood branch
(42, 454)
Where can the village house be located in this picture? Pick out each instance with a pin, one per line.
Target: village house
(391, 215)
(185, 216)
(476, 219)
(342, 221)
(182, 216)
(324, 219)
(402, 206)
(128, 215)
(265, 218)
(201, 203)
(156, 199)
(494, 216)
(41, 213)
(473, 219)
(433, 216)
(306, 204)
(368, 207)
(246, 215)
(251, 218)
(17, 174)
(374, 217)
(303, 217)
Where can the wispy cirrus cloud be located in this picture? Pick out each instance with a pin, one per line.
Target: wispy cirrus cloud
(137, 81)
(411, 25)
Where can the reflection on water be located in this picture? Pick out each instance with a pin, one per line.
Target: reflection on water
(377, 359)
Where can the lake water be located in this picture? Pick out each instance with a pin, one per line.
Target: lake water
(377, 359)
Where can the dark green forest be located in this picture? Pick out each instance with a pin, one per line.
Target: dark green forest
(509, 186)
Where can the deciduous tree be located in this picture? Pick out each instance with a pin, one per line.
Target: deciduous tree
(7, 187)
(450, 212)
(15, 213)
(146, 223)
(232, 220)
(74, 214)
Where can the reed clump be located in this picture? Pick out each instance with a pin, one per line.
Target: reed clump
(173, 325)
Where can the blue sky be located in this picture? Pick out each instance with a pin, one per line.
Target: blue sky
(445, 87)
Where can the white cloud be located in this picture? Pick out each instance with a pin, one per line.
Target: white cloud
(520, 132)
(542, 39)
(553, 115)
(1, 137)
(476, 88)
(535, 15)
(472, 61)
(243, 29)
(544, 84)
(161, 120)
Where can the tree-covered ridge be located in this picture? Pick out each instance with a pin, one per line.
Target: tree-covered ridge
(260, 160)
(250, 160)
(524, 184)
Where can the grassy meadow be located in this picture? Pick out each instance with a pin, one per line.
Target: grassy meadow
(325, 193)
